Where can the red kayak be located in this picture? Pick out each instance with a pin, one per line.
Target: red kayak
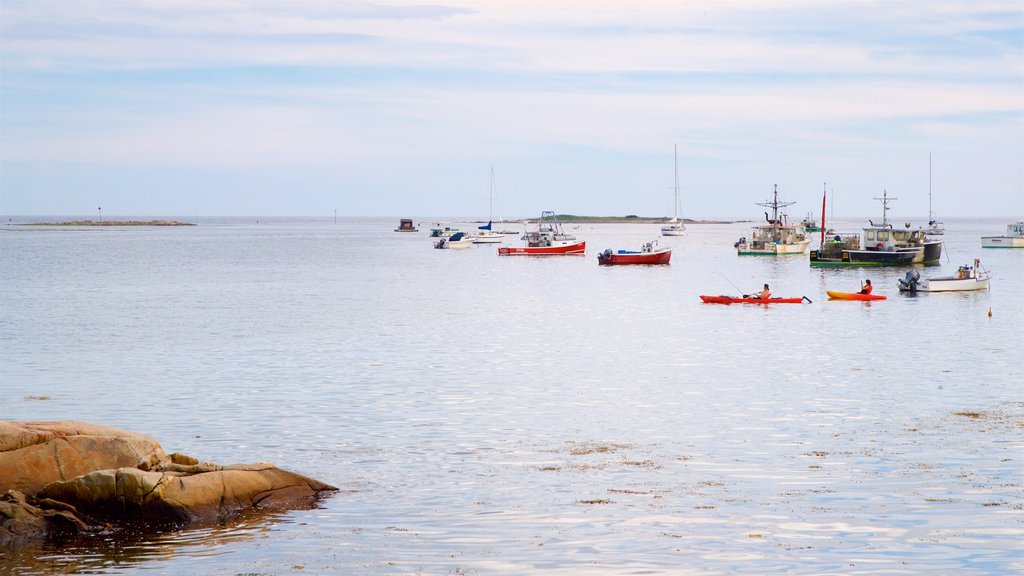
(741, 300)
(835, 295)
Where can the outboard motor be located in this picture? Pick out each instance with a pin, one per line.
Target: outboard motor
(909, 281)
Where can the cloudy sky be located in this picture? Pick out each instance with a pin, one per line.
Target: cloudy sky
(301, 107)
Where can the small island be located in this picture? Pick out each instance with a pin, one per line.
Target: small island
(629, 219)
(113, 223)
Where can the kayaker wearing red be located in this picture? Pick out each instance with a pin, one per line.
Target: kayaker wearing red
(764, 294)
(866, 289)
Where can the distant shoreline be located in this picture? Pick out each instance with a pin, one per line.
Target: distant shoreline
(111, 223)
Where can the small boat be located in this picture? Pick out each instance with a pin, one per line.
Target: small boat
(966, 278)
(650, 253)
(810, 224)
(836, 295)
(443, 231)
(742, 300)
(1014, 237)
(547, 240)
(675, 227)
(775, 238)
(457, 240)
(405, 225)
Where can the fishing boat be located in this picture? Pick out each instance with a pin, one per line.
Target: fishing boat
(443, 231)
(966, 278)
(675, 227)
(810, 224)
(1014, 237)
(457, 240)
(748, 300)
(485, 234)
(405, 225)
(650, 253)
(837, 295)
(777, 237)
(880, 245)
(935, 228)
(547, 240)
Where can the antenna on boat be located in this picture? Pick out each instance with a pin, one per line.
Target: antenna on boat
(885, 206)
(775, 205)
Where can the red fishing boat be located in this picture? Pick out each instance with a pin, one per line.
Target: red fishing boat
(748, 300)
(547, 240)
(650, 253)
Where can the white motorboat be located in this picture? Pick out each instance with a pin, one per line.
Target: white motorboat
(457, 240)
(1014, 237)
(966, 278)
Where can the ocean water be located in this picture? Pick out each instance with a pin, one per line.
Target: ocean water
(513, 415)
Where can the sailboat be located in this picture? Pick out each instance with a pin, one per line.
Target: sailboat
(484, 234)
(935, 228)
(675, 227)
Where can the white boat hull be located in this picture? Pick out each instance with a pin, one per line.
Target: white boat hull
(673, 231)
(488, 238)
(1001, 242)
(954, 284)
(772, 249)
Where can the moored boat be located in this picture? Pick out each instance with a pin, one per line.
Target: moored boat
(777, 237)
(485, 234)
(880, 245)
(457, 240)
(405, 225)
(810, 224)
(837, 295)
(742, 300)
(675, 227)
(443, 231)
(650, 253)
(547, 240)
(966, 278)
(1014, 237)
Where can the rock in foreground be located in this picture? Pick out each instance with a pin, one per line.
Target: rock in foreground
(73, 477)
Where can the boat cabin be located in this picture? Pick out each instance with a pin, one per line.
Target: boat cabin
(405, 225)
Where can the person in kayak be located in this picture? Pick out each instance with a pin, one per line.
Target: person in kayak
(763, 294)
(866, 288)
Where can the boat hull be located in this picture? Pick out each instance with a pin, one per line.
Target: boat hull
(865, 258)
(739, 300)
(1001, 242)
(953, 284)
(577, 248)
(772, 249)
(619, 259)
(836, 295)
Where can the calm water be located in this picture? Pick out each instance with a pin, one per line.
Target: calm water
(493, 415)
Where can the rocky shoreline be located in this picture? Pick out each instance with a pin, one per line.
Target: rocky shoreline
(69, 478)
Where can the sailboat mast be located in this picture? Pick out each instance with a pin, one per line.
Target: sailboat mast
(675, 165)
(930, 188)
(490, 207)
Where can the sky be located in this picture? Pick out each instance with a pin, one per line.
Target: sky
(303, 107)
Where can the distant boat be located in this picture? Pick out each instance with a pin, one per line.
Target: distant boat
(675, 227)
(966, 278)
(443, 231)
(405, 225)
(777, 237)
(457, 240)
(810, 224)
(547, 240)
(1014, 237)
(650, 253)
(484, 234)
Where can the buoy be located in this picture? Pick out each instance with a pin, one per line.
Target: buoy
(990, 312)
